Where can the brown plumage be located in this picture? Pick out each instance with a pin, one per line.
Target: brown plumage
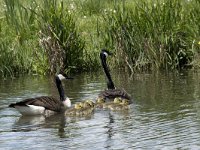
(48, 102)
(113, 93)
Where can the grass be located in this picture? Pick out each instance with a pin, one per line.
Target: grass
(153, 35)
(59, 37)
(47, 36)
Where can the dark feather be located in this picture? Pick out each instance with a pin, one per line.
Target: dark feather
(49, 103)
(113, 93)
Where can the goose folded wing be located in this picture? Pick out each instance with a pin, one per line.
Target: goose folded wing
(49, 103)
(112, 93)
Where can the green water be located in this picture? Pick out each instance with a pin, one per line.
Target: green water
(165, 114)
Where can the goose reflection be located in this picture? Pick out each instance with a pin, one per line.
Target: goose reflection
(57, 121)
(29, 123)
(112, 125)
(26, 124)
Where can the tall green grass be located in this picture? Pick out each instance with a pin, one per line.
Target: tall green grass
(15, 54)
(51, 35)
(154, 34)
(59, 37)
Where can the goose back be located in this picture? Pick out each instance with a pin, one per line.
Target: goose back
(48, 102)
(113, 93)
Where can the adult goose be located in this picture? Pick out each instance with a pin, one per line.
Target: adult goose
(45, 105)
(111, 92)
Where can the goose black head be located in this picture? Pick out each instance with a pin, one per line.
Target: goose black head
(63, 75)
(104, 53)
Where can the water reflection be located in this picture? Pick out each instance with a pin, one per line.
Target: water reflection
(57, 121)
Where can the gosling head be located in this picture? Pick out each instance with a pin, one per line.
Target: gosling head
(90, 103)
(100, 100)
(117, 100)
(78, 106)
(125, 102)
(86, 105)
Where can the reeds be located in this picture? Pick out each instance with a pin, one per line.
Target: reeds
(17, 42)
(51, 35)
(59, 37)
(152, 34)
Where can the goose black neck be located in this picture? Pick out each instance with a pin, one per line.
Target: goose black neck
(60, 89)
(110, 84)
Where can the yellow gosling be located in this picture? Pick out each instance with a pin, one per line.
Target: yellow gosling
(124, 105)
(74, 110)
(78, 106)
(117, 100)
(125, 102)
(100, 100)
(87, 111)
(88, 107)
(99, 103)
(81, 109)
(90, 103)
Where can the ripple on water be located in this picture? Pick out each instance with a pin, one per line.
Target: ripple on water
(164, 115)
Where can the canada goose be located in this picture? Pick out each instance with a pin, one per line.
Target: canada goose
(45, 105)
(111, 92)
(124, 105)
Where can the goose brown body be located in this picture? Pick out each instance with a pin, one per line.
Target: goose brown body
(48, 102)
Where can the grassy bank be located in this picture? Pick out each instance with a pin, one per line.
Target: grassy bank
(155, 35)
(45, 36)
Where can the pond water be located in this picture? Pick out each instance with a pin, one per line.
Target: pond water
(165, 114)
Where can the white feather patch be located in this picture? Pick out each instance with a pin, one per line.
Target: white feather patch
(61, 77)
(30, 110)
(105, 53)
(67, 102)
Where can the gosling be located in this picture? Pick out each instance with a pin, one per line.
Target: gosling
(74, 110)
(124, 105)
(81, 109)
(99, 103)
(117, 100)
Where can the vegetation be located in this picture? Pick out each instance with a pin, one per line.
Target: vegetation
(160, 35)
(51, 35)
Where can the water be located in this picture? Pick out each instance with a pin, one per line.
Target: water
(165, 114)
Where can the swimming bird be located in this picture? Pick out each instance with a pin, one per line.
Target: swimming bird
(111, 92)
(75, 110)
(89, 103)
(123, 105)
(88, 107)
(116, 100)
(99, 102)
(45, 105)
(81, 109)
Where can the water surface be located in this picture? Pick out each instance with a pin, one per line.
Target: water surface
(165, 114)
